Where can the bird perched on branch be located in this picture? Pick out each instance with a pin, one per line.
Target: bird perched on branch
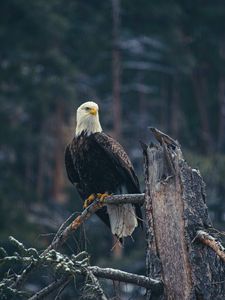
(98, 166)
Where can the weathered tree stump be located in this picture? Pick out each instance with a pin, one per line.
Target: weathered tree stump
(175, 213)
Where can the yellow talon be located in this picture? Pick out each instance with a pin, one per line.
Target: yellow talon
(102, 197)
(88, 201)
(92, 197)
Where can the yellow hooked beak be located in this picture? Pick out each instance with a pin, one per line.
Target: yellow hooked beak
(93, 111)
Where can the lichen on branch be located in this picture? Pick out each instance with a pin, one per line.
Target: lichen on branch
(65, 269)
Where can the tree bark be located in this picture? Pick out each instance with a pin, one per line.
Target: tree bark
(175, 109)
(58, 174)
(200, 91)
(221, 96)
(175, 212)
(41, 163)
(116, 69)
(116, 85)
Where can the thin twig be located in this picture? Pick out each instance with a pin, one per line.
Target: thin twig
(62, 236)
(50, 288)
(74, 225)
(89, 211)
(63, 287)
(63, 225)
(23, 276)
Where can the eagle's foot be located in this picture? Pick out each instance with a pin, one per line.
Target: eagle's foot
(102, 197)
(89, 200)
(92, 197)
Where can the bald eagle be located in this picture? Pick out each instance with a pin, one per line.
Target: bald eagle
(98, 164)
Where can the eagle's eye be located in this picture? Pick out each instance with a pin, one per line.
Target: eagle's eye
(87, 108)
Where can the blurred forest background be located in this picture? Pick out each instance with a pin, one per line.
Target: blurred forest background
(146, 63)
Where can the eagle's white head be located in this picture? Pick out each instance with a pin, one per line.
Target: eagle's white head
(88, 118)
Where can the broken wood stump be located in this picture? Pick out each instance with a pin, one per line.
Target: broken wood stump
(176, 214)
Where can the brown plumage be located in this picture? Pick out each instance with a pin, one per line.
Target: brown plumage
(96, 163)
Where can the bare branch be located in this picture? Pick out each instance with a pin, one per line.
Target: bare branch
(62, 288)
(60, 238)
(140, 280)
(211, 242)
(50, 288)
(98, 289)
(82, 268)
(24, 275)
(74, 225)
(89, 211)
(125, 198)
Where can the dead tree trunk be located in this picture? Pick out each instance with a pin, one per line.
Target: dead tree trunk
(175, 213)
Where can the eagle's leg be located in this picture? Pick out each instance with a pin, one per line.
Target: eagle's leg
(89, 200)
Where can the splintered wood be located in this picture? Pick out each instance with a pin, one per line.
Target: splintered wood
(189, 261)
(166, 212)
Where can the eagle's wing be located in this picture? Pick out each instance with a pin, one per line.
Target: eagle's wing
(120, 159)
(70, 168)
(123, 164)
(74, 178)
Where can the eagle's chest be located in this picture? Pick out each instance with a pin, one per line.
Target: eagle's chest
(88, 160)
(96, 171)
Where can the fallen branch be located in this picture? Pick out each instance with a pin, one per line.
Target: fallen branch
(211, 242)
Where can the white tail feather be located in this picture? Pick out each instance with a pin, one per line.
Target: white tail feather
(122, 219)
